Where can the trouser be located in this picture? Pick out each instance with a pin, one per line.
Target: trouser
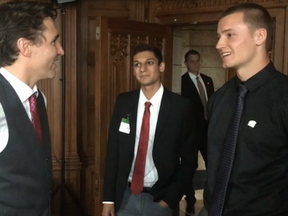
(203, 212)
(141, 204)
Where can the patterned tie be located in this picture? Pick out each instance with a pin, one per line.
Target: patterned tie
(137, 182)
(35, 116)
(202, 96)
(227, 157)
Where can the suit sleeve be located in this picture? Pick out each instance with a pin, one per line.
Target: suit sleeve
(188, 156)
(184, 88)
(111, 160)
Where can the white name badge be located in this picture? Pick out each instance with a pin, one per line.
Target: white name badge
(124, 126)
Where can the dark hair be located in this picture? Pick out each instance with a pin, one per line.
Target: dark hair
(256, 17)
(191, 52)
(147, 47)
(19, 19)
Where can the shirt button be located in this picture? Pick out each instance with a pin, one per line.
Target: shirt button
(46, 159)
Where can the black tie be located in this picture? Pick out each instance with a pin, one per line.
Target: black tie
(227, 157)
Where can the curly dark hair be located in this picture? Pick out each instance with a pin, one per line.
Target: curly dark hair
(20, 19)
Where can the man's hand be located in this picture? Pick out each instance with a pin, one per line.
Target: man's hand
(163, 204)
(108, 210)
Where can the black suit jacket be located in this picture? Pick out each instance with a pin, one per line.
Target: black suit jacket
(173, 137)
(189, 91)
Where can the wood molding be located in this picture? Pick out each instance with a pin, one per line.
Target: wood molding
(285, 41)
(166, 5)
(71, 79)
(139, 10)
(185, 12)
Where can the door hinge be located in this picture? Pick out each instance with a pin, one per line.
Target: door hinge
(97, 33)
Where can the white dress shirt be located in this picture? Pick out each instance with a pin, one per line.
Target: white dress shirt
(24, 92)
(151, 174)
(193, 78)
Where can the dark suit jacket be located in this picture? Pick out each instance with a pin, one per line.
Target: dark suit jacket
(173, 137)
(189, 91)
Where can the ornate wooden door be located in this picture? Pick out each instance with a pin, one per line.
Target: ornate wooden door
(115, 38)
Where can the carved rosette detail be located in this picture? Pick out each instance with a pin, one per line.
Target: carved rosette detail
(138, 39)
(166, 5)
(119, 45)
(141, 39)
(157, 42)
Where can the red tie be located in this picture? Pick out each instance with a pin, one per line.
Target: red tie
(139, 168)
(35, 116)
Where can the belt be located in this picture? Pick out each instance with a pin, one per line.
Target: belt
(144, 190)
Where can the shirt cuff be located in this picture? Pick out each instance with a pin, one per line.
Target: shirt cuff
(107, 202)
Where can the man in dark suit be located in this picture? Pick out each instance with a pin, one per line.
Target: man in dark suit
(28, 51)
(198, 88)
(152, 184)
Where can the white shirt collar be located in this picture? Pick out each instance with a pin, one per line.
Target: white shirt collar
(155, 100)
(193, 76)
(22, 89)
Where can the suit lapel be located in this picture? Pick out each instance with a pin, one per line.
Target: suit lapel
(164, 111)
(132, 115)
(193, 87)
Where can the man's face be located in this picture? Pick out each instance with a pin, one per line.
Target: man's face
(146, 68)
(236, 44)
(46, 53)
(193, 63)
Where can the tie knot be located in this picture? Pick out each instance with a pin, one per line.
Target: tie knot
(242, 90)
(147, 105)
(32, 99)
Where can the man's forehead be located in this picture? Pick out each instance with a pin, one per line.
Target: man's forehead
(144, 56)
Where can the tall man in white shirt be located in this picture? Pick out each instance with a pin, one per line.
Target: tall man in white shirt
(151, 131)
(28, 51)
(198, 88)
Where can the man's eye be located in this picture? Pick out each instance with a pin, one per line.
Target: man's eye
(136, 65)
(150, 62)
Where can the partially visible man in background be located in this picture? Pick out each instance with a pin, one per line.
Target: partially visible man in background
(28, 51)
(198, 88)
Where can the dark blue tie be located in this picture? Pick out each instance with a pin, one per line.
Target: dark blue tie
(227, 157)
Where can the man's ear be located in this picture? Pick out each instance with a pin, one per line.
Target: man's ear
(24, 47)
(260, 36)
(162, 67)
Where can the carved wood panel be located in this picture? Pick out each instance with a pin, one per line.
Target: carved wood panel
(165, 5)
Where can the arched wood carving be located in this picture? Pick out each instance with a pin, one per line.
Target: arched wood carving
(138, 39)
(119, 45)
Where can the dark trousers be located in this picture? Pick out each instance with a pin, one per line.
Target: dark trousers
(141, 205)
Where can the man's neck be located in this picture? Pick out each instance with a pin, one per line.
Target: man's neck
(195, 73)
(150, 91)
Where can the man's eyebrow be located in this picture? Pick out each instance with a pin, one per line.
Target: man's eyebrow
(56, 37)
(227, 30)
(145, 60)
